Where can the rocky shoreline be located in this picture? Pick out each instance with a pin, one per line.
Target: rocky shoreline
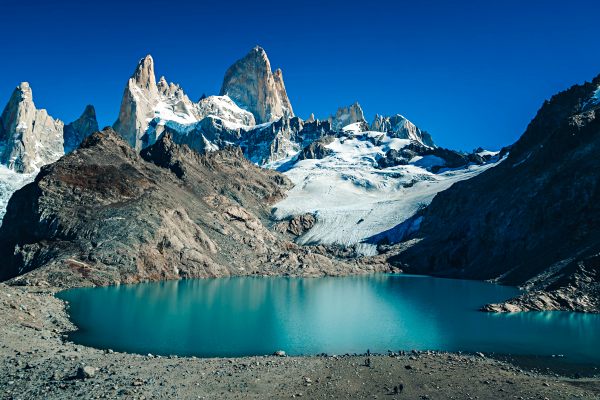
(38, 361)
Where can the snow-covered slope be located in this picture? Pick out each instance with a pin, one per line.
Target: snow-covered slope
(10, 182)
(353, 199)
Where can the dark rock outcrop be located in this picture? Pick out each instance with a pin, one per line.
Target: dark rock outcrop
(105, 215)
(75, 132)
(317, 149)
(533, 220)
(298, 225)
(450, 158)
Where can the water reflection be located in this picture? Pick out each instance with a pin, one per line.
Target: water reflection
(251, 315)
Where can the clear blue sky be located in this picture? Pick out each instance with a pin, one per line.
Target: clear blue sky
(470, 72)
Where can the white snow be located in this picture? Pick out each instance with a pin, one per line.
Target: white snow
(354, 127)
(174, 111)
(353, 200)
(484, 153)
(10, 182)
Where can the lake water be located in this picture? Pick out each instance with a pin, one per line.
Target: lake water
(258, 315)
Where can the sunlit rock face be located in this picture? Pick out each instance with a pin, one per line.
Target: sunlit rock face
(29, 138)
(251, 84)
(144, 99)
(345, 116)
(400, 127)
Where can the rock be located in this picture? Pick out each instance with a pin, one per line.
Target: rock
(29, 138)
(478, 354)
(348, 115)
(500, 224)
(399, 127)
(298, 225)
(145, 100)
(222, 107)
(85, 372)
(174, 213)
(279, 353)
(317, 149)
(251, 84)
(75, 132)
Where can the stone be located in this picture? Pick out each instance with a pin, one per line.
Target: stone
(29, 138)
(279, 353)
(399, 127)
(76, 131)
(85, 372)
(348, 115)
(252, 85)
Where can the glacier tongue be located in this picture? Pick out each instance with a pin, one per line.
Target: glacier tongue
(353, 199)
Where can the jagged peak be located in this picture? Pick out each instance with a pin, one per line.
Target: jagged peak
(22, 92)
(89, 111)
(253, 86)
(144, 73)
(24, 86)
(258, 51)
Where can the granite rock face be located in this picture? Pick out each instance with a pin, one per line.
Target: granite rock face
(533, 220)
(251, 84)
(78, 130)
(106, 214)
(400, 127)
(144, 100)
(345, 116)
(29, 138)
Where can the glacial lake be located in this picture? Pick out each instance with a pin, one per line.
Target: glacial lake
(245, 316)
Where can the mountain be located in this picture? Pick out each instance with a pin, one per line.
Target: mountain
(144, 99)
(251, 84)
(402, 128)
(164, 183)
(29, 138)
(106, 214)
(75, 132)
(533, 220)
(350, 117)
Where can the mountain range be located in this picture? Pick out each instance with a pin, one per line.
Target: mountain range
(236, 184)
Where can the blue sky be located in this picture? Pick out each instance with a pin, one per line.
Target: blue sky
(470, 72)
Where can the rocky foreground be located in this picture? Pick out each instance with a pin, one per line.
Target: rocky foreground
(36, 361)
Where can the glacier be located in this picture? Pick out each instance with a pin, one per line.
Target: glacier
(353, 199)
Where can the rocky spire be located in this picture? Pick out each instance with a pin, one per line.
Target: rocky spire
(251, 84)
(400, 127)
(29, 138)
(144, 74)
(348, 115)
(76, 131)
(137, 106)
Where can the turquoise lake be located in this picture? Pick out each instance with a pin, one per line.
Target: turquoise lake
(258, 315)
